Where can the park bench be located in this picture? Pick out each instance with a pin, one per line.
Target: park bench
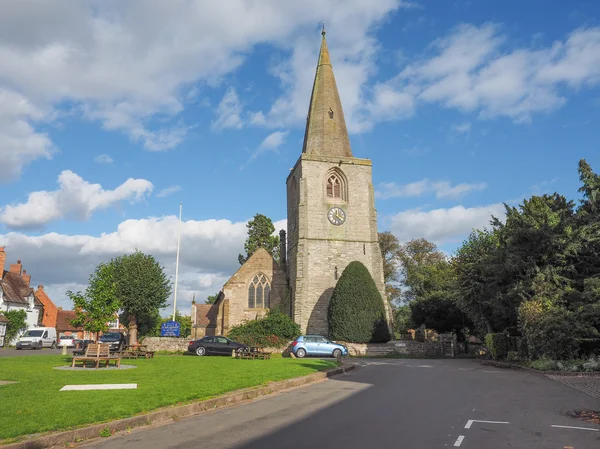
(135, 352)
(96, 354)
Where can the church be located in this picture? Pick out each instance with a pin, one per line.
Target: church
(331, 221)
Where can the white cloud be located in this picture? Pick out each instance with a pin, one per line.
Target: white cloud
(229, 112)
(134, 65)
(471, 70)
(462, 128)
(208, 257)
(75, 198)
(443, 225)
(168, 191)
(104, 159)
(441, 189)
(274, 140)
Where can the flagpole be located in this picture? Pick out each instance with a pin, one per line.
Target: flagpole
(177, 263)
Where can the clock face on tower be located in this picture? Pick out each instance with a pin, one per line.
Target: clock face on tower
(336, 216)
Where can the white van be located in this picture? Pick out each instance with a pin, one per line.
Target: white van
(38, 338)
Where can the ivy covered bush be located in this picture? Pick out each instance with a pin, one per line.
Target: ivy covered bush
(356, 312)
(498, 345)
(273, 331)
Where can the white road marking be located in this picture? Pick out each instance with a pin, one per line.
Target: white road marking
(99, 387)
(471, 421)
(459, 441)
(424, 366)
(578, 428)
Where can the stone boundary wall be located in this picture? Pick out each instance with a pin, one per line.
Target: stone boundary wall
(171, 344)
(400, 347)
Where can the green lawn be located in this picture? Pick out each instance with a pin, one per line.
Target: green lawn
(35, 404)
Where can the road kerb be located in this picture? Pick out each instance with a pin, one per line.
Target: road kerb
(40, 441)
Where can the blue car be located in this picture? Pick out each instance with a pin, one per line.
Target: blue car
(317, 345)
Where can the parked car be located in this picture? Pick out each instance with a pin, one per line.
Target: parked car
(67, 340)
(38, 338)
(317, 345)
(116, 340)
(215, 346)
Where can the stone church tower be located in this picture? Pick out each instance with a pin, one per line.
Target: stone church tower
(332, 219)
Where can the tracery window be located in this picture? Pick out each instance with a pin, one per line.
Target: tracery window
(334, 187)
(259, 292)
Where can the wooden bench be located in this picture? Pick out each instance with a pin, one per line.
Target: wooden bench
(134, 352)
(253, 353)
(96, 354)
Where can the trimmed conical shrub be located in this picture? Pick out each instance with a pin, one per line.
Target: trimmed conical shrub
(356, 311)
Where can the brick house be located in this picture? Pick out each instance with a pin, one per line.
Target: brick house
(50, 310)
(16, 293)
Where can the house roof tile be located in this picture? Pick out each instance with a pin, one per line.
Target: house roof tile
(16, 289)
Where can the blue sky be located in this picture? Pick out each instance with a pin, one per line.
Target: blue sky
(112, 113)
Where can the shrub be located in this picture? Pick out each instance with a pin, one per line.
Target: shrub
(552, 332)
(498, 345)
(356, 312)
(275, 331)
(16, 323)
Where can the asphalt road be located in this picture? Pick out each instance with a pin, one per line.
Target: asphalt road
(12, 352)
(408, 404)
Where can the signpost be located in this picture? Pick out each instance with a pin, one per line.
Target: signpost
(170, 329)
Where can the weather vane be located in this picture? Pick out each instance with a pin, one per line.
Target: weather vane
(323, 29)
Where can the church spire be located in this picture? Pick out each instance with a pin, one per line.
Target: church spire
(326, 133)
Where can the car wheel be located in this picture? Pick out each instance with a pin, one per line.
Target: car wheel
(200, 351)
(40, 345)
(337, 353)
(300, 353)
(53, 345)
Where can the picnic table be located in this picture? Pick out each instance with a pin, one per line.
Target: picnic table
(96, 354)
(135, 352)
(253, 353)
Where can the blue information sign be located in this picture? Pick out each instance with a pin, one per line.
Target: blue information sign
(170, 329)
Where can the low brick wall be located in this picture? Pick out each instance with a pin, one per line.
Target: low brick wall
(171, 344)
(403, 347)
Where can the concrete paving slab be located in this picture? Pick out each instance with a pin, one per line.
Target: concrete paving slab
(99, 387)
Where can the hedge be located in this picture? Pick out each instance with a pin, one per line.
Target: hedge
(273, 331)
(356, 312)
(498, 345)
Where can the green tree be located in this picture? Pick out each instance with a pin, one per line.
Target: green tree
(142, 288)
(16, 324)
(356, 310)
(260, 235)
(403, 319)
(99, 303)
(212, 299)
(390, 246)
(416, 259)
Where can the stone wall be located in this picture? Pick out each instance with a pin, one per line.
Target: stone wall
(406, 347)
(171, 344)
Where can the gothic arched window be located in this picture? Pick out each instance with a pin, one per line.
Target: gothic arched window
(335, 185)
(259, 292)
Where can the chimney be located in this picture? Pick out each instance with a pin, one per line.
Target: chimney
(26, 277)
(16, 267)
(282, 249)
(2, 260)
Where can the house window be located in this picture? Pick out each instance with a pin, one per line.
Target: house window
(336, 185)
(259, 292)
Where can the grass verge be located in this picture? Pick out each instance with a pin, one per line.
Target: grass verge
(35, 404)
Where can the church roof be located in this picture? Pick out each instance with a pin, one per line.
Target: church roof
(326, 133)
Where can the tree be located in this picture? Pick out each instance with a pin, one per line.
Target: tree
(142, 288)
(416, 257)
(260, 235)
(389, 246)
(356, 310)
(212, 299)
(99, 304)
(16, 323)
